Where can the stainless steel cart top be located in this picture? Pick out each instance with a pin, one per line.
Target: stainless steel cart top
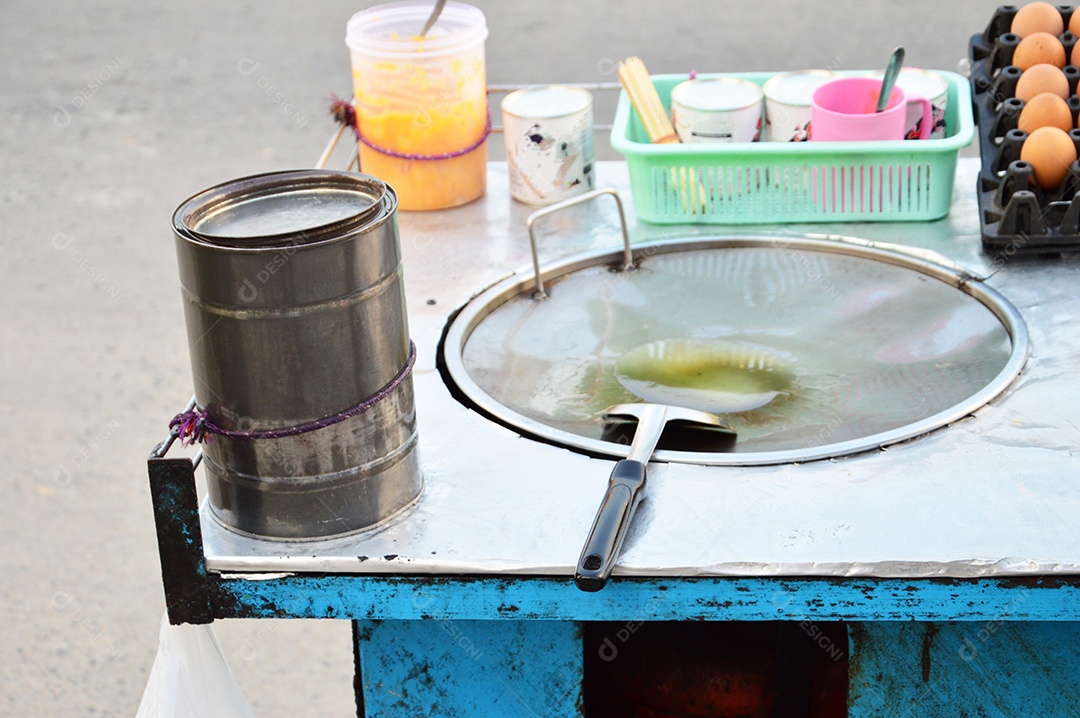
(995, 494)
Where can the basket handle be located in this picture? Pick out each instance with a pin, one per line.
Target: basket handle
(530, 223)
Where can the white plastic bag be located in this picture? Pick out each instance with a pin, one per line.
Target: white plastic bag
(190, 677)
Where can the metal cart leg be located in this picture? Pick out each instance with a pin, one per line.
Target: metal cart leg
(180, 546)
(358, 675)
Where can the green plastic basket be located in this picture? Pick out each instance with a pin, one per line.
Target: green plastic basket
(776, 182)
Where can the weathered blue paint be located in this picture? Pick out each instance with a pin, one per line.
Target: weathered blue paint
(180, 546)
(530, 598)
(977, 669)
(471, 669)
(985, 669)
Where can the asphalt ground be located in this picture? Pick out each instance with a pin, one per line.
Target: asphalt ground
(111, 114)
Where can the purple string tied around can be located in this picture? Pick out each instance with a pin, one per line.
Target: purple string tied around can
(344, 113)
(190, 427)
(195, 426)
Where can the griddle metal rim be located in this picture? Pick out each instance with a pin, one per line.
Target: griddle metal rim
(521, 281)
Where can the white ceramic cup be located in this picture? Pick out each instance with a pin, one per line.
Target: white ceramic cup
(787, 103)
(720, 109)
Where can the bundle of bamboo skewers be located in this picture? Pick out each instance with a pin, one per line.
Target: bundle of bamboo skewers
(654, 118)
(643, 96)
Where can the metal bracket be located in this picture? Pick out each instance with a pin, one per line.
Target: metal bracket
(354, 160)
(530, 223)
(179, 535)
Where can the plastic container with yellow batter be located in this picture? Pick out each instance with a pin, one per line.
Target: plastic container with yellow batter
(421, 102)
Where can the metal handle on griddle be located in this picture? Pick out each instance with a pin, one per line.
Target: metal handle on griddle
(628, 257)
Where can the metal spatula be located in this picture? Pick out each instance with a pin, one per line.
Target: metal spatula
(627, 483)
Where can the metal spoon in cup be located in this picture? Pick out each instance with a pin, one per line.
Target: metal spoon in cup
(887, 82)
(435, 12)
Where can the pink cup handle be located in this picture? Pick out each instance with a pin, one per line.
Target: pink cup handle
(927, 124)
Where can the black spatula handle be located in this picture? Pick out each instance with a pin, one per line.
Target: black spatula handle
(624, 492)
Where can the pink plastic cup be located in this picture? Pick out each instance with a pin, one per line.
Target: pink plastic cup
(843, 110)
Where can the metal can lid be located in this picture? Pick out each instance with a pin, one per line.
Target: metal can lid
(796, 88)
(279, 208)
(716, 94)
(546, 102)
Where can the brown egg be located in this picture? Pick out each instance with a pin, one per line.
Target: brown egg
(1041, 78)
(1037, 48)
(1074, 56)
(1049, 151)
(1074, 23)
(1038, 17)
(1045, 110)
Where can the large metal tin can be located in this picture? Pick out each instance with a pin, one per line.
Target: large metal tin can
(295, 309)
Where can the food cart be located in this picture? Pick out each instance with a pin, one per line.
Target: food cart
(951, 559)
(929, 569)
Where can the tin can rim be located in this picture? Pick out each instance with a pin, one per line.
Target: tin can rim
(200, 217)
(919, 74)
(681, 90)
(515, 96)
(795, 97)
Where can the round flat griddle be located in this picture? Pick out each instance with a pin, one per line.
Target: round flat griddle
(876, 346)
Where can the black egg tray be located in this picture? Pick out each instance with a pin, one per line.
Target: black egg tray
(1017, 216)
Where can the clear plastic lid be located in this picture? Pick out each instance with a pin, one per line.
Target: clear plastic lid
(392, 30)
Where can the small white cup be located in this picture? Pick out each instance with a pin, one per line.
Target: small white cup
(723, 109)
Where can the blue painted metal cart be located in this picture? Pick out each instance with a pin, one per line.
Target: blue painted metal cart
(936, 577)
